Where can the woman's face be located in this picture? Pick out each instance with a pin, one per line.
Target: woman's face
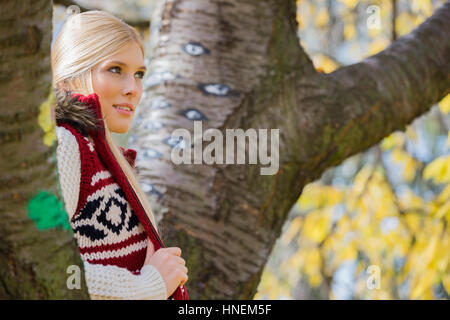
(118, 81)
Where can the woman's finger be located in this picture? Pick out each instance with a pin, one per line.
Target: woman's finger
(173, 250)
(185, 270)
(184, 280)
(181, 261)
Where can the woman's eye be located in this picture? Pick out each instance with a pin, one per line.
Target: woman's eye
(118, 68)
(140, 73)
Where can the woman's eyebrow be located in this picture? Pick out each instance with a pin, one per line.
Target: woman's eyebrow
(124, 64)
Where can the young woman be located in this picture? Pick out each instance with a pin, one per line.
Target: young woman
(98, 66)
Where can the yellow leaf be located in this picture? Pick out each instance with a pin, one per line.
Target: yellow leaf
(323, 63)
(409, 170)
(296, 261)
(349, 31)
(408, 163)
(410, 201)
(444, 105)
(349, 3)
(429, 252)
(444, 195)
(312, 267)
(424, 282)
(317, 195)
(309, 196)
(404, 23)
(348, 252)
(301, 25)
(378, 45)
(413, 220)
(443, 211)
(322, 18)
(398, 155)
(395, 139)
(442, 258)
(411, 132)
(382, 295)
(422, 6)
(317, 225)
(418, 20)
(270, 286)
(46, 119)
(438, 170)
(315, 280)
(361, 178)
(446, 282)
(374, 32)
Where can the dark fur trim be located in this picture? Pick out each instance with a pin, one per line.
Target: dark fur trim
(69, 110)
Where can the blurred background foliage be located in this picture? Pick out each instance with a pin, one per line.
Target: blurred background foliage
(388, 207)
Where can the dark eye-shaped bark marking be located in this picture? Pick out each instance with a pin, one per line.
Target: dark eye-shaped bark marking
(149, 154)
(217, 89)
(195, 49)
(193, 114)
(150, 189)
(175, 141)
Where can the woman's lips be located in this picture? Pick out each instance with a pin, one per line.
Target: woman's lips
(122, 111)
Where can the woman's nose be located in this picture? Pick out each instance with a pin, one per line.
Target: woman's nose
(131, 87)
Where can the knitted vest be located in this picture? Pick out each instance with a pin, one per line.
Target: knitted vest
(105, 226)
(109, 222)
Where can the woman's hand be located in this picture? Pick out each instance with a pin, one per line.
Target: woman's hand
(170, 265)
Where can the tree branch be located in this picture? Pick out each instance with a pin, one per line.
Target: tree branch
(356, 106)
(326, 118)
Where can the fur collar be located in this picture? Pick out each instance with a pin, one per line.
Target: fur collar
(69, 109)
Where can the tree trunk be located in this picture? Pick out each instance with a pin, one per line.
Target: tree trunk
(33, 263)
(226, 218)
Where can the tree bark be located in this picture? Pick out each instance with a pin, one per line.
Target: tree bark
(33, 263)
(226, 218)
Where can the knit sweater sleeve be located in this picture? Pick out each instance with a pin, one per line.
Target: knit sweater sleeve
(69, 169)
(112, 282)
(103, 282)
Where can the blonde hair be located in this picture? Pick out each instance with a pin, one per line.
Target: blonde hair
(86, 39)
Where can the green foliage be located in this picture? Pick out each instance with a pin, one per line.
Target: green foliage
(47, 211)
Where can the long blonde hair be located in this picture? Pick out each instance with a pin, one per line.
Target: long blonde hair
(86, 39)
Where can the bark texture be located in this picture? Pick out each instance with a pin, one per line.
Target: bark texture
(239, 64)
(33, 263)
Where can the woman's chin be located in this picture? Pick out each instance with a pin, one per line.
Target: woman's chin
(120, 129)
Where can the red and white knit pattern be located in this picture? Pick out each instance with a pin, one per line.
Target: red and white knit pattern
(112, 242)
(106, 228)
